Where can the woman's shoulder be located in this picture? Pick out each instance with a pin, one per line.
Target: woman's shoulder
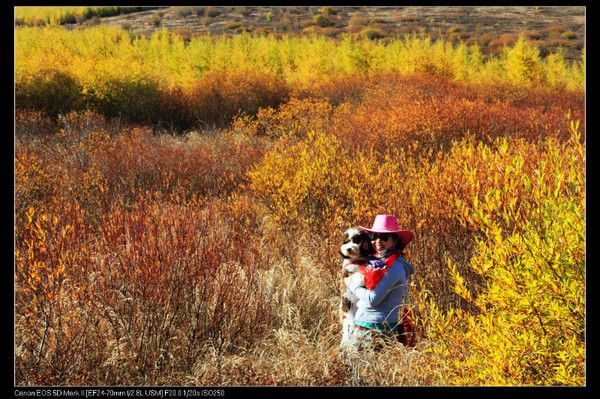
(406, 265)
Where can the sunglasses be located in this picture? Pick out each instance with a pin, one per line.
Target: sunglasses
(382, 237)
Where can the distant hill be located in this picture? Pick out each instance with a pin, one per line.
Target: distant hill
(490, 27)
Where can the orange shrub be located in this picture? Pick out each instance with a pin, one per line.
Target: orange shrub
(221, 96)
(50, 250)
(30, 123)
(389, 111)
(136, 161)
(393, 115)
(337, 88)
(171, 261)
(95, 162)
(292, 119)
(64, 165)
(34, 180)
(76, 126)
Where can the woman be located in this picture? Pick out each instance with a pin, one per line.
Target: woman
(381, 295)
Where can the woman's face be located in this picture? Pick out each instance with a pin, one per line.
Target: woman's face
(382, 242)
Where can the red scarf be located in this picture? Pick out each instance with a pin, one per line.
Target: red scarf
(372, 275)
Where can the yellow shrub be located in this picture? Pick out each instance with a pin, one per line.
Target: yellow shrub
(523, 63)
(528, 327)
(318, 186)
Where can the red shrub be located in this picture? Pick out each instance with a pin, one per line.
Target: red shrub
(434, 111)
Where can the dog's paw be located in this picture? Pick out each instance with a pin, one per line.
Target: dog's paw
(356, 279)
(351, 267)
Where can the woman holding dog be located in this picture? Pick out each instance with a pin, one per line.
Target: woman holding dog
(381, 295)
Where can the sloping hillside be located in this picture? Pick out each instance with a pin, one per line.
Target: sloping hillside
(490, 27)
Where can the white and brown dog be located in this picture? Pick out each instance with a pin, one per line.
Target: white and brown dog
(356, 250)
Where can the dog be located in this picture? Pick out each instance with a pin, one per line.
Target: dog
(355, 250)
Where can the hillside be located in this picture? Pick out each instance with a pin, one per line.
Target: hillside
(490, 27)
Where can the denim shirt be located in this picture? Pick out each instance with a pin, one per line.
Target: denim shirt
(384, 302)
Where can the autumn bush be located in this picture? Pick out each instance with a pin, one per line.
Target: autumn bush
(416, 109)
(93, 163)
(29, 123)
(98, 208)
(136, 161)
(388, 112)
(528, 327)
(49, 246)
(154, 284)
(293, 119)
(218, 97)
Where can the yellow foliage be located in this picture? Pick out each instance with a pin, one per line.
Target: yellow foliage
(108, 64)
(529, 325)
(60, 15)
(317, 185)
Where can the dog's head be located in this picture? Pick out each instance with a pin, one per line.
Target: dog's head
(356, 245)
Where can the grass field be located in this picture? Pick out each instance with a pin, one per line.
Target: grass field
(179, 205)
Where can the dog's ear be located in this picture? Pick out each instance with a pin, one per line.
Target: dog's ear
(365, 239)
(365, 245)
(346, 236)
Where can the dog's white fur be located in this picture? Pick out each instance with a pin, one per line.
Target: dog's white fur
(355, 250)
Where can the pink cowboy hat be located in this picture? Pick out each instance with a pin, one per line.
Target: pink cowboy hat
(389, 224)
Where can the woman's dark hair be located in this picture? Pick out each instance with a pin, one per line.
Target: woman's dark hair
(399, 244)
